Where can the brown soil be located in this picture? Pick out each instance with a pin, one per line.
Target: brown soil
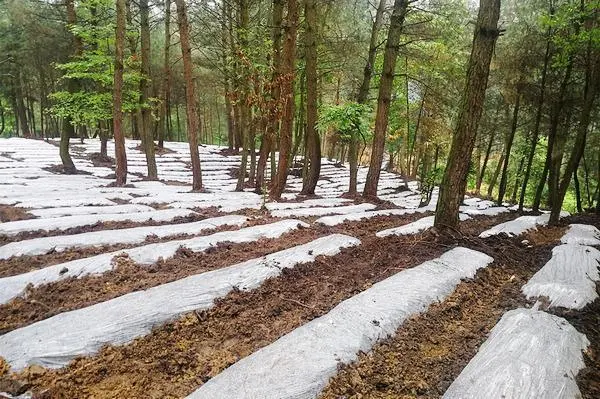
(59, 169)
(157, 150)
(9, 213)
(429, 351)
(23, 264)
(587, 321)
(74, 293)
(100, 160)
(178, 357)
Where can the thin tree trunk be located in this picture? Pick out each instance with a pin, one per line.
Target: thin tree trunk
(145, 90)
(592, 82)
(166, 83)
(225, 38)
(120, 155)
(21, 110)
(385, 96)
(488, 152)
(513, 197)
(2, 121)
(363, 91)
(288, 62)
(586, 173)
(509, 143)
(414, 165)
(313, 142)
(538, 118)
(244, 106)
(452, 189)
(577, 192)
(490, 190)
(68, 130)
(555, 151)
(190, 94)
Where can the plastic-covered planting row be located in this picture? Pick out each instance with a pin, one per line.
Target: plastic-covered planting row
(531, 353)
(299, 364)
(55, 341)
(11, 287)
(134, 235)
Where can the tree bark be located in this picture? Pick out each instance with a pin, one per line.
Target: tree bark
(190, 94)
(270, 133)
(488, 152)
(554, 154)
(509, 143)
(244, 105)
(313, 142)
(120, 155)
(165, 108)
(385, 96)
(288, 63)
(21, 109)
(513, 197)
(365, 86)
(591, 85)
(452, 189)
(490, 190)
(225, 38)
(146, 131)
(538, 119)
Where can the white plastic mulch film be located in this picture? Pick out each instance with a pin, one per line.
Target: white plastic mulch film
(569, 278)
(13, 286)
(519, 225)
(299, 364)
(415, 227)
(529, 354)
(67, 222)
(55, 341)
(134, 235)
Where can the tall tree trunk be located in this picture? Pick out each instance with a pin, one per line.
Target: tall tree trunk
(145, 91)
(492, 184)
(591, 85)
(120, 155)
(244, 105)
(509, 143)
(21, 109)
(385, 96)
(68, 130)
(225, 15)
(556, 141)
(452, 189)
(538, 119)
(577, 192)
(2, 121)
(288, 62)
(488, 152)
(268, 139)
(513, 197)
(165, 108)
(313, 142)
(363, 91)
(190, 94)
(537, 200)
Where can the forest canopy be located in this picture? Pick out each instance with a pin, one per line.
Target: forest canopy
(498, 97)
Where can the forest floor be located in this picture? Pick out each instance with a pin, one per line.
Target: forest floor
(178, 354)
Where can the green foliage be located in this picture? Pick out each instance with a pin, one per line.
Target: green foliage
(91, 72)
(346, 120)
